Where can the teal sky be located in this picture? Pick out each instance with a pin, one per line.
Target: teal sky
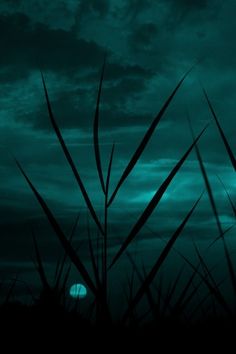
(150, 45)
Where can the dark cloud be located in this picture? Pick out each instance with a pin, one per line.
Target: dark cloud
(133, 8)
(190, 5)
(75, 108)
(143, 35)
(28, 46)
(101, 7)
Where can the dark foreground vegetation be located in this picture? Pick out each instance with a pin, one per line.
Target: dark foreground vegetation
(199, 309)
(45, 328)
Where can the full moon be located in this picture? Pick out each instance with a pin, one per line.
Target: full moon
(78, 291)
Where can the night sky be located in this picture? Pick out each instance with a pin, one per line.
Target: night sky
(149, 45)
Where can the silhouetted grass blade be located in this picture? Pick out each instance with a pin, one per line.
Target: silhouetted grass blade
(40, 266)
(230, 265)
(213, 205)
(225, 141)
(213, 290)
(146, 139)
(207, 183)
(182, 301)
(227, 193)
(10, 291)
(62, 238)
(63, 261)
(154, 201)
(151, 275)
(141, 278)
(65, 281)
(221, 236)
(109, 170)
(96, 132)
(93, 259)
(70, 160)
(171, 293)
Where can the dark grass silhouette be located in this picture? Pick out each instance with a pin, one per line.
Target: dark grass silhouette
(181, 307)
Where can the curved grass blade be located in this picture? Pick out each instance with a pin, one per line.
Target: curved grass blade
(134, 159)
(70, 160)
(154, 201)
(225, 141)
(105, 245)
(96, 132)
(151, 275)
(62, 238)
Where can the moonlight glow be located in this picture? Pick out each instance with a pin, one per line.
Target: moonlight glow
(78, 291)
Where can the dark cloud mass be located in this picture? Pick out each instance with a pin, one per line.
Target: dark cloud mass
(29, 46)
(149, 46)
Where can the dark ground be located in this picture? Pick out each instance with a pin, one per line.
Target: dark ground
(34, 327)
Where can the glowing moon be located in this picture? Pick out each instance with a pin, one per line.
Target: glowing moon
(78, 291)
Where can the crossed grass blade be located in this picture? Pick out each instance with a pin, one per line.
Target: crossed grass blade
(151, 275)
(154, 201)
(214, 208)
(214, 289)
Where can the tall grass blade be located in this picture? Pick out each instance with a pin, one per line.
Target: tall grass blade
(93, 259)
(154, 201)
(213, 205)
(134, 159)
(59, 233)
(171, 293)
(96, 132)
(207, 183)
(227, 193)
(109, 169)
(225, 141)
(70, 160)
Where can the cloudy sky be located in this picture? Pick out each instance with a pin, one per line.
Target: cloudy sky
(149, 45)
